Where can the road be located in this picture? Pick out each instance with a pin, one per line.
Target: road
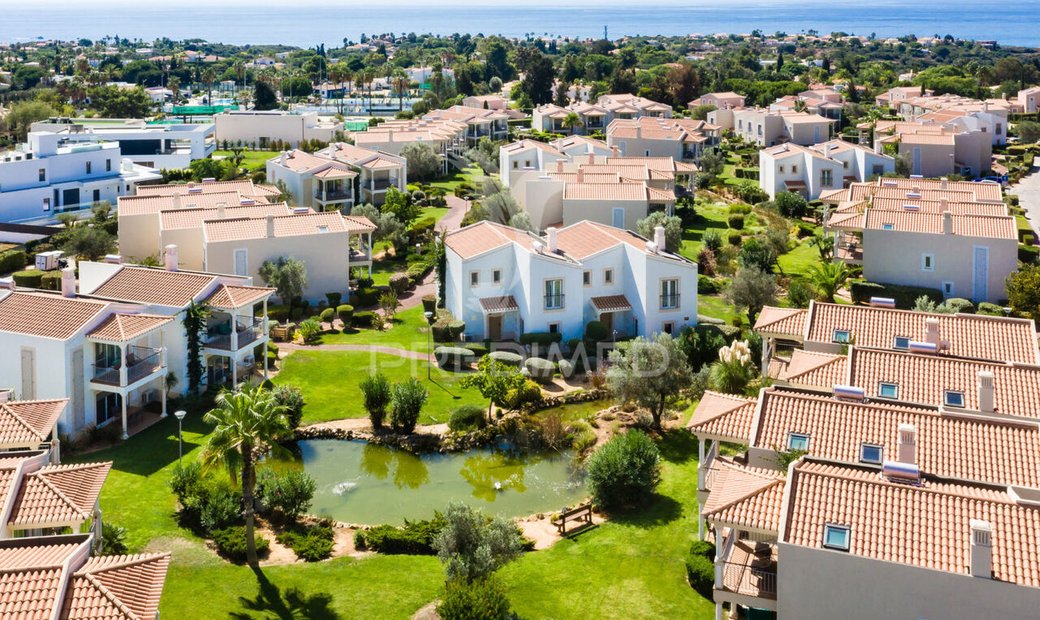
(1028, 192)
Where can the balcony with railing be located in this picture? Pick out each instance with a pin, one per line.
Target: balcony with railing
(669, 301)
(554, 301)
(746, 573)
(382, 184)
(141, 362)
(247, 330)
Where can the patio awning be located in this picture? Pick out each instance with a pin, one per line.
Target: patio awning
(611, 303)
(499, 305)
(797, 184)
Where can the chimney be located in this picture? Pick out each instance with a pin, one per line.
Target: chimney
(639, 131)
(931, 330)
(981, 562)
(942, 182)
(171, 257)
(68, 282)
(907, 453)
(270, 226)
(592, 157)
(659, 238)
(559, 165)
(947, 223)
(581, 176)
(986, 396)
(176, 201)
(550, 237)
(615, 152)
(220, 210)
(944, 204)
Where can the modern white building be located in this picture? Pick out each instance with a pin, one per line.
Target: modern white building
(161, 146)
(50, 174)
(339, 176)
(110, 347)
(504, 282)
(262, 127)
(818, 168)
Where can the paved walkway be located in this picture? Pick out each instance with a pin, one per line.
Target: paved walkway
(1028, 192)
(457, 210)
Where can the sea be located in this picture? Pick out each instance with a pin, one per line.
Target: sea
(307, 23)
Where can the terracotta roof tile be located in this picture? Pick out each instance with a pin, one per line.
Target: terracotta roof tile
(126, 327)
(180, 219)
(246, 188)
(506, 303)
(724, 416)
(154, 286)
(611, 303)
(928, 526)
(816, 369)
(26, 423)
(788, 321)
(475, 239)
(743, 496)
(230, 297)
(117, 587)
(965, 447)
(47, 315)
(904, 220)
(58, 494)
(156, 203)
(284, 226)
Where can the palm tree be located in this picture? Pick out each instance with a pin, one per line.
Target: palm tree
(209, 75)
(828, 278)
(824, 243)
(400, 86)
(571, 121)
(245, 420)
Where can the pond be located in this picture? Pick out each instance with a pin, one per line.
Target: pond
(359, 482)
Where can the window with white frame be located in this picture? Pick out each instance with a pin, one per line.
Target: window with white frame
(927, 262)
(888, 390)
(900, 342)
(669, 327)
(496, 276)
(953, 398)
(669, 294)
(474, 278)
(798, 441)
(586, 278)
(836, 537)
(608, 276)
(794, 169)
(888, 226)
(826, 178)
(553, 294)
(842, 336)
(871, 453)
(947, 288)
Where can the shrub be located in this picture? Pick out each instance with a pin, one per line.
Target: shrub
(477, 348)
(740, 209)
(221, 507)
(12, 260)
(296, 313)
(400, 282)
(367, 297)
(290, 397)
(310, 330)
(467, 417)
(278, 313)
(712, 240)
(526, 394)
(406, 402)
(483, 599)
(456, 329)
(799, 293)
(310, 543)
(701, 573)
(734, 237)
(583, 438)
(596, 331)
(414, 538)
(707, 262)
(541, 370)
(507, 358)
(345, 313)
(625, 471)
(566, 369)
(30, 278)
(905, 296)
(958, 304)
(289, 493)
(543, 339)
(735, 221)
(113, 539)
(429, 303)
(364, 318)
(453, 358)
(51, 281)
(376, 391)
(327, 315)
(231, 543)
(334, 299)
(990, 309)
(707, 286)
(1028, 239)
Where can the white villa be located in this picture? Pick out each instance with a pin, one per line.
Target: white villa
(810, 170)
(504, 282)
(170, 147)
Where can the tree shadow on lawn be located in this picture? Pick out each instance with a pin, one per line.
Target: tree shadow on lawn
(659, 510)
(677, 446)
(153, 448)
(270, 602)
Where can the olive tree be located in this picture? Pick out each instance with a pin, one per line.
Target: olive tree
(649, 372)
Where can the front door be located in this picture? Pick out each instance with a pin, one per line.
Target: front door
(618, 218)
(495, 327)
(980, 275)
(607, 318)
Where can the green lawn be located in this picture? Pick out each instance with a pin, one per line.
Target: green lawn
(252, 160)
(799, 259)
(709, 216)
(409, 332)
(717, 307)
(329, 380)
(471, 175)
(630, 567)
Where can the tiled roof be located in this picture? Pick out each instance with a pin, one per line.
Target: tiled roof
(605, 191)
(180, 219)
(583, 239)
(611, 303)
(58, 494)
(505, 303)
(744, 496)
(117, 588)
(816, 369)
(475, 239)
(156, 203)
(25, 423)
(926, 525)
(126, 327)
(925, 378)
(47, 315)
(789, 321)
(358, 224)
(970, 207)
(284, 226)
(968, 335)
(245, 188)
(965, 447)
(723, 415)
(903, 220)
(230, 297)
(154, 286)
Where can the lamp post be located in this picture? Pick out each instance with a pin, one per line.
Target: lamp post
(429, 342)
(180, 415)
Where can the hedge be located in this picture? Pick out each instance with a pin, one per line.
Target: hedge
(596, 331)
(734, 237)
(467, 417)
(735, 221)
(366, 297)
(429, 304)
(454, 358)
(334, 299)
(51, 281)
(507, 358)
(905, 296)
(541, 370)
(231, 543)
(30, 278)
(12, 260)
(706, 285)
(345, 312)
(540, 338)
(567, 369)
(1028, 253)
(365, 318)
(327, 315)
(478, 348)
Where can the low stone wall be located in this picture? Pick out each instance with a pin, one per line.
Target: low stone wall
(572, 398)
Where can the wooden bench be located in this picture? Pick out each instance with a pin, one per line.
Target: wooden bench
(582, 515)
